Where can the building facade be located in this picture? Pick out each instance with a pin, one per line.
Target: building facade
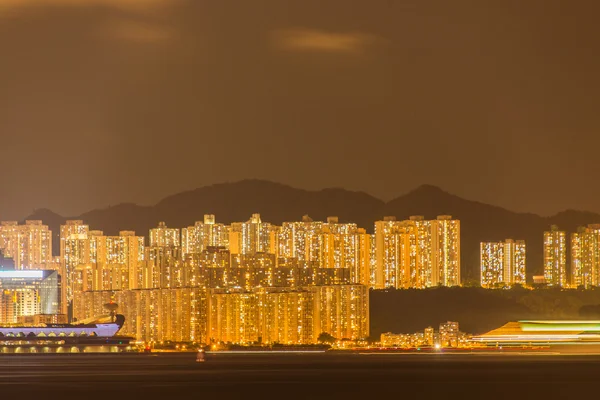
(585, 256)
(29, 245)
(25, 293)
(239, 316)
(417, 253)
(502, 263)
(555, 257)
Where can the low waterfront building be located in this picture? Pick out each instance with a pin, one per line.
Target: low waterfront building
(449, 334)
(27, 293)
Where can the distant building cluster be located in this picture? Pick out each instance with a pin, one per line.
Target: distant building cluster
(503, 264)
(246, 282)
(448, 336)
(585, 257)
(254, 281)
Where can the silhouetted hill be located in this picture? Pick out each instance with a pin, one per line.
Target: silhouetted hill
(571, 219)
(121, 217)
(49, 217)
(231, 202)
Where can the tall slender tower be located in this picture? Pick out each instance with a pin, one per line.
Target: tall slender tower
(555, 257)
(388, 252)
(74, 251)
(446, 243)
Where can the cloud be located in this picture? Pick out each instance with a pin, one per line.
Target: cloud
(137, 31)
(323, 41)
(128, 5)
(134, 30)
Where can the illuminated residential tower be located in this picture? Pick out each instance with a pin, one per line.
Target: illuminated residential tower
(585, 256)
(163, 236)
(29, 245)
(204, 234)
(502, 263)
(417, 253)
(253, 236)
(555, 257)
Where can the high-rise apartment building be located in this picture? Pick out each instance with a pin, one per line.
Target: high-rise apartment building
(392, 250)
(9, 239)
(119, 260)
(85, 257)
(35, 246)
(417, 253)
(345, 246)
(446, 259)
(163, 268)
(502, 263)
(555, 257)
(491, 255)
(421, 269)
(162, 236)
(301, 240)
(361, 273)
(72, 230)
(107, 262)
(74, 251)
(253, 236)
(204, 234)
(29, 245)
(585, 256)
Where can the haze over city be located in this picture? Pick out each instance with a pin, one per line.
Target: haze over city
(287, 199)
(109, 101)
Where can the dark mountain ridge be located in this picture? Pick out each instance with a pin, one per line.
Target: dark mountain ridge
(277, 203)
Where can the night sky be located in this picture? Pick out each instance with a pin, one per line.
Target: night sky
(109, 101)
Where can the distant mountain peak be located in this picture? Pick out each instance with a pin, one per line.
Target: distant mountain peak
(428, 190)
(253, 182)
(41, 213)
